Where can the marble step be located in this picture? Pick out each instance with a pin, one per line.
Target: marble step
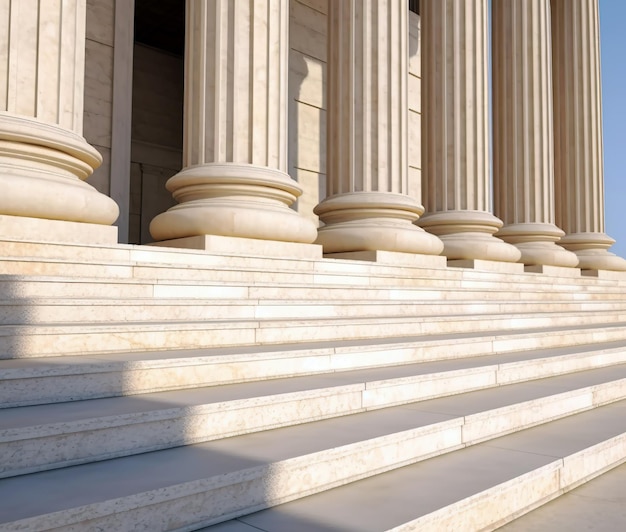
(59, 435)
(598, 505)
(151, 262)
(434, 360)
(33, 288)
(549, 330)
(69, 310)
(481, 487)
(201, 484)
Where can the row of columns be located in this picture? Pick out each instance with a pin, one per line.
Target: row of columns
(235, 182)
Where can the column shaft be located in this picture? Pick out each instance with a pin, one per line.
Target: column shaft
(579, 172)
(455, 130)
(367, 167)
(234, 180)
(44, 159)
(523, 131)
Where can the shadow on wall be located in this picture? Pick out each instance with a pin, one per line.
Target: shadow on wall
(307, 116)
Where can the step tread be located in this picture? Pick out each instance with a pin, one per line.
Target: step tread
(24, 328)
(61, 418)
(398, 497)
(598, 505)
(188, 468)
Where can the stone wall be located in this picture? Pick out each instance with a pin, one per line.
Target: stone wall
(99, 86)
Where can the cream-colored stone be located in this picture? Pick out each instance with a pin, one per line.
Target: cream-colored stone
(495, 505)
(383, 394)
(367, 207)
(523, 144)
(487, 265)
(455, 135)
(588, 463)
(392, 257)
(553, 271)
(44, 158)
(246, 246)
(35, 229)
(234, 180)
(579, 172)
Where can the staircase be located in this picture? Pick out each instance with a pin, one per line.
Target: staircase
(162, 389)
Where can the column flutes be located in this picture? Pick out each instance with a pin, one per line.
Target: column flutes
(234, 180)
(455, 130)
(523, 131)
(44, 158)
(367, 166)
(579, 172)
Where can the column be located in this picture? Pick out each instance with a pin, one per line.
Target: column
(367, 167)
(455, 131)
(44, 158)
(234, 181)
(578, 164)
(523, 131)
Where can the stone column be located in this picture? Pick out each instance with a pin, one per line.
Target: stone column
(367, 167)
(578, 165)
(455, 131)
(523, 131)
(234, 181)
(44, 158)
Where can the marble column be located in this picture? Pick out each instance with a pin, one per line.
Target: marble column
(455, 131)
(234, 181)
(44, 158)
(523, 131)
(367, 166)
(578, 165)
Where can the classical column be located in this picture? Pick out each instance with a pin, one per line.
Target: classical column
(455, 131)
(367, 207)
(523, 131)
(578, 164)
(44, 158)
(234, 181)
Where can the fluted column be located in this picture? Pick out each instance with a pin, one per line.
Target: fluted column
(579, 171)
(234, 180)
(523, 131)
(367, 167)
(455, 131)
(44, 158)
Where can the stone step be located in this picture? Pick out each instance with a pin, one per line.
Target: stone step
(152, 262)
(60, 379)
(476, 488)
(550, 330)
(205, 483)
(59, 435)
(69, 310)
(31, 288)
(598, 505)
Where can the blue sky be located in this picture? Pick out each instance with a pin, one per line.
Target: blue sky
(613, 49)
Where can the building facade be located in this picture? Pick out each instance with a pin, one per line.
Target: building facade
(358, 125)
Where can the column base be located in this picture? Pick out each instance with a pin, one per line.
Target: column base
(373, 221)
(537, 242)
(468, 235)
(592, 250)
(235, 200)
(42, 173)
